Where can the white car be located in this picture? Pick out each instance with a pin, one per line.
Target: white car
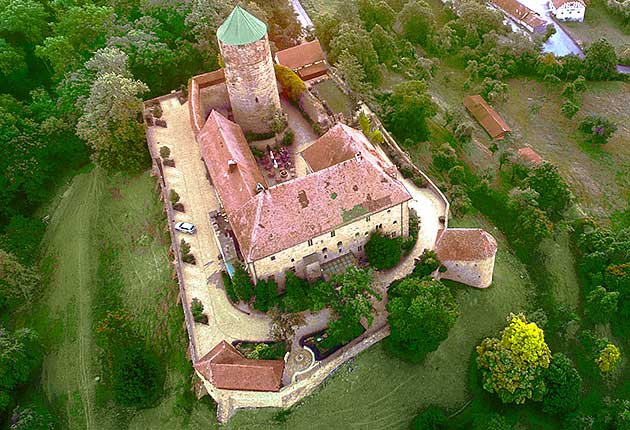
(185, 227)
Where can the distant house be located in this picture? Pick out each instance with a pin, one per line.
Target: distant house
(530, 156)
(522, 15)
(226, 368)
(468, 255)
(307, 60)
(568, 10)
(487, 117)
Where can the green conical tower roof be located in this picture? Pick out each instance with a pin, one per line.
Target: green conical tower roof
(241, 28)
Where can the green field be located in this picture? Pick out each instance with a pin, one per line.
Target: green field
(598, 23)
(98, 213)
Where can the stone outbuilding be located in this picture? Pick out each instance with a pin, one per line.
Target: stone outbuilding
(249, 71)
(226, 368)
(528, 155)
(468, 255)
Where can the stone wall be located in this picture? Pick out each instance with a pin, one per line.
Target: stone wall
(228, 401)
(476, 273)
(251, 82)
(394, 221)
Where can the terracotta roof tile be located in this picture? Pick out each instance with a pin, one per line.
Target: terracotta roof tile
(301, 56)
(229, 161)
(528, 154)
(465, 244)
(226, 368)
(522, 12)
(559, 3)
(487, 117)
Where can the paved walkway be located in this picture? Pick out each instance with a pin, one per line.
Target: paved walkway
(202, 280)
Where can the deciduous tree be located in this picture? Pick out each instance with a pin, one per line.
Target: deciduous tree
(512, 366)
(601, 61)
(417, 21)
(563, 384)
(407, 110)
(421, 313)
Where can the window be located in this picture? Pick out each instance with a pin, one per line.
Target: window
(324, 250)
(389, 210)
(357, 234)
(256, 99)
(273, 257)
(332, 233)
(339, 244)
(395, 222)
(379, 227)
(292, 260)
(310, 242)
(367, 218)
(366, 233)
(360, 248)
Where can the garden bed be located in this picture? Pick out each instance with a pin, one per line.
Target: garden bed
(262, 350)
(322, 344)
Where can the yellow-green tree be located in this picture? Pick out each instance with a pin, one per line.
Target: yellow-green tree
(512, 366)
(608, 358)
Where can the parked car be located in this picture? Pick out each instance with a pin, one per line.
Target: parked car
(186, 227)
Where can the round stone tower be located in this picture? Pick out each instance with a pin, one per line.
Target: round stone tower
(249, 72)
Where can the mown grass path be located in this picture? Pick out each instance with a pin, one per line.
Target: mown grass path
(68, 371)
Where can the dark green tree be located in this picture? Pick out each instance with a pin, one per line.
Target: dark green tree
(554, 195)
(383, 252)
(601, 305)
(407, 109)
(242, 284)
(601, 61)
(375, 12)
(563, 386)
(32, 417)
(421, 313)
(432, 418)
(19, 354)
(384, 45)
(356, 41)
(266, 292)
(417, 21)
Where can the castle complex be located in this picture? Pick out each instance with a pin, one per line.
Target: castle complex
(308, 207)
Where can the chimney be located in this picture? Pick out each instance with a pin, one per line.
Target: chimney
(232, 165)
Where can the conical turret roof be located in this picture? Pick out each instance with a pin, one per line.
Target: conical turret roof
(241, 28)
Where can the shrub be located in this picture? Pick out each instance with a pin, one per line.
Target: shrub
(383, 252)
(426, 264)
(563, 384)
(598, 129)
(296, 297)
(601, 305)
(32, 417)
(242, 284)
(229, 288)
(288, 138)
(421, 313)
(291, 83)
(266, 292)
(165, 152)
(432, 418)
(22, 237)
(444, 158)
(491, 421)
(173, 196)
(258, 153)
(196, 308)
(186, 255)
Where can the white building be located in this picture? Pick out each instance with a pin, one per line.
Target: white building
(568, 10)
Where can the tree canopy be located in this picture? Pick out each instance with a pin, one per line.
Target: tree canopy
(407, 109)
(421, 313)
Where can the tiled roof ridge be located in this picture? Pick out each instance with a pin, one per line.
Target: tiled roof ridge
(254, 236)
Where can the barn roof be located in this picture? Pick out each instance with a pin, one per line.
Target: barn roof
(529, 155)
(226, 368)
(301, 55)
(487, 117)
(465, 244)
(559, 3)
(241, 28)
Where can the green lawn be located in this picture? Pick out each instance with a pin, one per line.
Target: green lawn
(319, 7)
(598, 23)
(95, 213)
(336, 99)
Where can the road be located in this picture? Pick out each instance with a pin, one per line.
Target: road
(302, 15)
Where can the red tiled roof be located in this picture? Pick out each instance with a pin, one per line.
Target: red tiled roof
(224, 367)
(465, 244)
(313, 71)
(342, 189)
(301, 56)
(519, 11)
(487, 117)
(528, 154)
(559, 3)
(229, 161)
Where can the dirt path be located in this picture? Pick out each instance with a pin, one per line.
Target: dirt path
(68, 374)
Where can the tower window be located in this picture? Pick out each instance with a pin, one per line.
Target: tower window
(332, 233)
(310, 242)
(256, 99)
